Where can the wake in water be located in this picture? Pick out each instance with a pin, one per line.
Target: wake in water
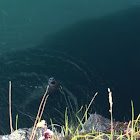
(29, 72)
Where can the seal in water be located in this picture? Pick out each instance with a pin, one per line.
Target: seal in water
(53, 85)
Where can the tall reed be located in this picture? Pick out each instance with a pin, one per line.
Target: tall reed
(111, 112)
(10, 110)
(39, 114)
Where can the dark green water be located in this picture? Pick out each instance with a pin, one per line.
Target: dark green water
(87, 56)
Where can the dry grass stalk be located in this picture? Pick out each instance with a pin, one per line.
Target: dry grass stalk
(111, 112)
(43, 108)
(39, 118)
(10, 112)
(87, 110)
(39, 115)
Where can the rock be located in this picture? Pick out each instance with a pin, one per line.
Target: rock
(97, 123)
(20, 134)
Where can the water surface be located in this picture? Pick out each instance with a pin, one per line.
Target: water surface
(86, 51)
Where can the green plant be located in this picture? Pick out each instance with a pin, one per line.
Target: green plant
(85, 114)
(16, 125)
(66, 123)
(16, 121)
(71, 129)
(133, 124)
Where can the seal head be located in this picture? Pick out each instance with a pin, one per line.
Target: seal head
(53, 85)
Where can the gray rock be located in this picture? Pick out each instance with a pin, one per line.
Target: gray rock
(97, 123)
